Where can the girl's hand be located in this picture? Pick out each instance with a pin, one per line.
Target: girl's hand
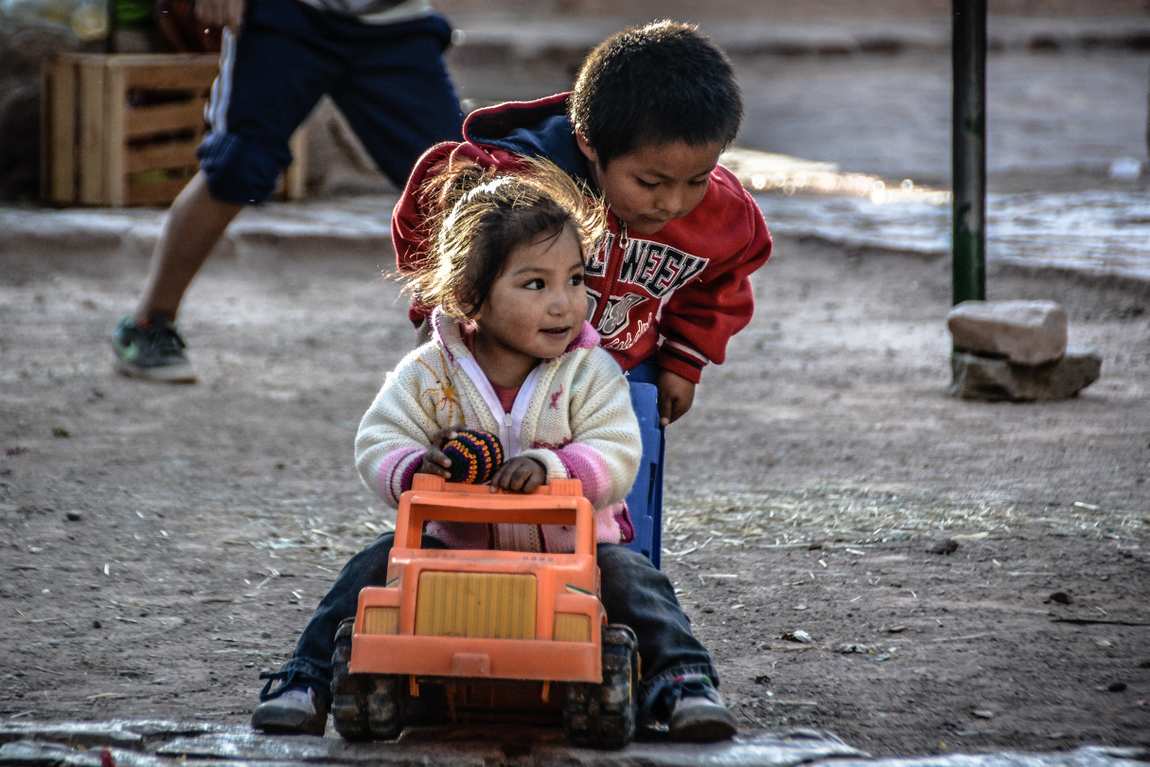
(675, 396)
(519, 475)
(220, 13)
(434, 461)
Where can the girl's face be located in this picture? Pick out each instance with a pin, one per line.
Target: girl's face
(538, 303)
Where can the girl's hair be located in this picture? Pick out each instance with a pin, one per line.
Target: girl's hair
(483, 215)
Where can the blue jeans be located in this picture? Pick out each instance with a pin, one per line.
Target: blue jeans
(634, 593)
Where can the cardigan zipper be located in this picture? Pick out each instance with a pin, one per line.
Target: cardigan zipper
(510, 424)
(514, 537)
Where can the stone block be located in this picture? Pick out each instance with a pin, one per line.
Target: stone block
(24, 46)
(987, 378)
(72, 734)
(20, 142)
(1024, 332)
(176, 744)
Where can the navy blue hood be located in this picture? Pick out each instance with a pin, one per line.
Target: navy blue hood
(531, 129)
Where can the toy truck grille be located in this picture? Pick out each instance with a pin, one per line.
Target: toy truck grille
(476, 605)
(484, 614)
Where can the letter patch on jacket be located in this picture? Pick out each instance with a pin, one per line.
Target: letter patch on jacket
(596, 265)
(657, 268)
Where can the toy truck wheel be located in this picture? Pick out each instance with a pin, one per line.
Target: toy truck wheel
(603, 715)
(348, 691)
(385, 707)
(364, 707)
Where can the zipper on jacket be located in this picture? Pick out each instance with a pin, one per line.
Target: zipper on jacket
(514, 420)
(507, 430)
(510, 424)
(621, 240)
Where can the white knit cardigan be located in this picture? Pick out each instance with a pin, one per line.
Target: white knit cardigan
(572, 413)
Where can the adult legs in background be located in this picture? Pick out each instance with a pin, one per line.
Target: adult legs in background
(269, 82)
(195, 223)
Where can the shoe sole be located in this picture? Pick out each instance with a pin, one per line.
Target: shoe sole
(287, 725)
(272, 729)
(171, 374)
(703, 730)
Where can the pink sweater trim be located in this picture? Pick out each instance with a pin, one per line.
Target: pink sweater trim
(588, 338)
(622, 516)
(586, 465)
(395, 472)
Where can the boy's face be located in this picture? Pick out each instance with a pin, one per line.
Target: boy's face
(654, 183)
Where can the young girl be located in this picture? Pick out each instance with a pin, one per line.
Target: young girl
(511, 353)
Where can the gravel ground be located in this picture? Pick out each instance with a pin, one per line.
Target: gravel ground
(162, 545)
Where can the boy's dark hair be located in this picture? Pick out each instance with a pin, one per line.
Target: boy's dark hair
(655, 84)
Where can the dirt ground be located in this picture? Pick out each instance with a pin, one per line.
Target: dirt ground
(162, 545)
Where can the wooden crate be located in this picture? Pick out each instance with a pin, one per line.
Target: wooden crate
(123, 129)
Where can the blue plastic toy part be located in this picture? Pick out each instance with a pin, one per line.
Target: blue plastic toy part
(645, 502)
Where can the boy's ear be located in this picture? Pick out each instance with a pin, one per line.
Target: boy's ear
(585, 147)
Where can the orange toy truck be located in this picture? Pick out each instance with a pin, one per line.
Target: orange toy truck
(479, 632)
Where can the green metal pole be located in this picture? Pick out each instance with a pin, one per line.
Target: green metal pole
(969, 151)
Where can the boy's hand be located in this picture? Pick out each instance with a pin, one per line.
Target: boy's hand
(221, 13)
(519, 475)
(675, 396)
(434, 461)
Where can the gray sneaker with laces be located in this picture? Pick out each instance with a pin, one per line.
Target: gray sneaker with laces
(154, 352)
(296, 710)
(700, 716)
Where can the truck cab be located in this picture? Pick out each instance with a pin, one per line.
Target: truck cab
(462, 634)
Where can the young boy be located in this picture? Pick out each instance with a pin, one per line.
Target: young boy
(652, 109)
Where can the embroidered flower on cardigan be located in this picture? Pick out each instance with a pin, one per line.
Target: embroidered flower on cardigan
(551, 445)
(555, 395)
(445, 395)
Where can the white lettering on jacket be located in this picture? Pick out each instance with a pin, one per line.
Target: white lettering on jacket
(657, 268)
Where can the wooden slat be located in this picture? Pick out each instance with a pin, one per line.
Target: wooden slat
(114, 141)
(59, 147)
(196, 77)
(178, 71)
(140, 60)
(129, 61)
(172, 154)
(295, 177)
(92, 137)
(154, 192)
(147, 121)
